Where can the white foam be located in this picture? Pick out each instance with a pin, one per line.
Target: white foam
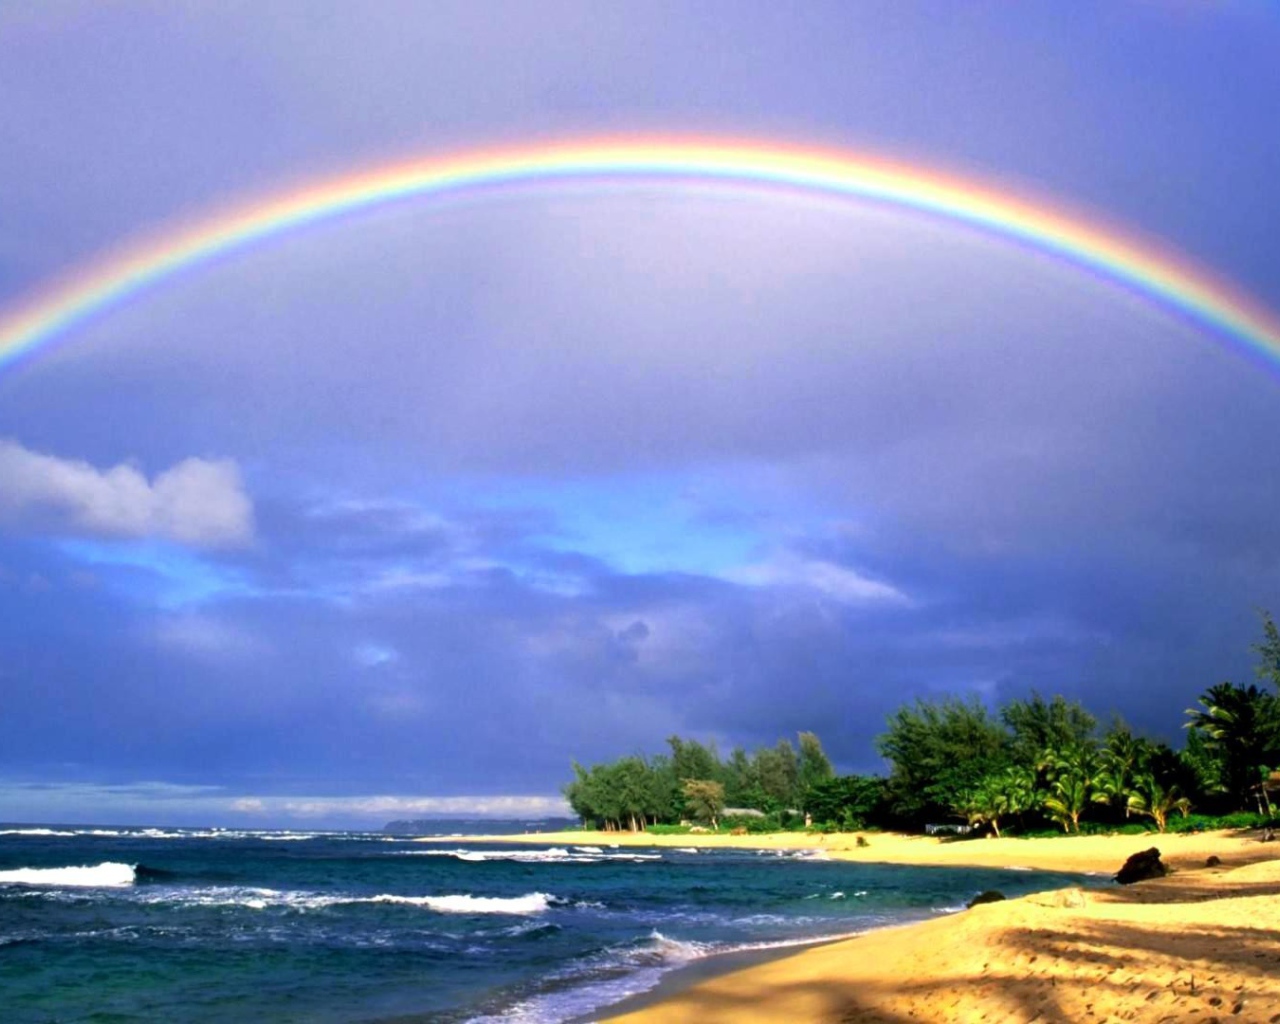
(108, 874)
(553, 855)
(33, 832)
(531, 903)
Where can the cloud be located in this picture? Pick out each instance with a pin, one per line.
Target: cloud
(837, 582)
(198, 502)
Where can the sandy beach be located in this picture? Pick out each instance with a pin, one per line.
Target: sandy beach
(1084, 854)
(1200, 945)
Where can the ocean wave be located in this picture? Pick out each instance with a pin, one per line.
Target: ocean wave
(33, 832)
(530, 903)
(554, 855)
(107, 875)
(256, 898)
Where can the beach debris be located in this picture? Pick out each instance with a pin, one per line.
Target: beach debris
(1212, 861)
(986, 896)
(862, 841)
(1142, 866)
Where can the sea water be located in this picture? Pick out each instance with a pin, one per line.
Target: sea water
(196, 925)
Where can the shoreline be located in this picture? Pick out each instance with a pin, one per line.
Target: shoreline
(1202, 942)
(1088, 855)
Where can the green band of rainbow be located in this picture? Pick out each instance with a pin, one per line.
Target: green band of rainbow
(1167, 279)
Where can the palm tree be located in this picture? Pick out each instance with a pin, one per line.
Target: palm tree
(986, 802)
(1157, 801)
(1073, 775)
(1240, 726)
(1123, 756)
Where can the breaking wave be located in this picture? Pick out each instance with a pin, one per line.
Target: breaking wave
(107, 875)
(531, 903)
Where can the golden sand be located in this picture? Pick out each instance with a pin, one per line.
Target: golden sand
(1202, 945)
(1102, 854)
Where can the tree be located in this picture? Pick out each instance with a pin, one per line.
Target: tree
(1072, 775)
(705, 800)
(1123, 756)
(741, 783)
(939, 752)
(815, 768)
(778, 770)
(1241, 727)
(690, 760)
(1036, 725)
(1268, 651)
(1157, 801)
(988, 802)
(849, 801)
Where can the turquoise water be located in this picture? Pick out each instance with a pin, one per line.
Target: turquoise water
(335, 928)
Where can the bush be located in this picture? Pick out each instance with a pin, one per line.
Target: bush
(754, 826)
(667, 830)
(1211, 823)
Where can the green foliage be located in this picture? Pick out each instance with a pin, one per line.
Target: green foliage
(1240, 726)
(1215, 823)
(1268, 651)
(848, 801)
(778, 770)
(667, 830)
(1000, 795)
(815, 769)
(1072, 773)
(1036, 725)
(752, 824)
(940, 752)
(705, 799)
(1032, 762)
(1157, 800)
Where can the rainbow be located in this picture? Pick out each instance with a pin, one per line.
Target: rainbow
(1164, 278)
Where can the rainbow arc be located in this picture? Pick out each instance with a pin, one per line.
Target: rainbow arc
(1163, 277)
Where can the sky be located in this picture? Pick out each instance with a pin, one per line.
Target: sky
(400, 514)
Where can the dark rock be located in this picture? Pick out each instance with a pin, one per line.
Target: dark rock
(989, 896)
(1212, 861)
(1142, 866)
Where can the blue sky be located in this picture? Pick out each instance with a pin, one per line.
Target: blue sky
(400, 514)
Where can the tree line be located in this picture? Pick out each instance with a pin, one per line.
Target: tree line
(691, 782)
(1031, 763)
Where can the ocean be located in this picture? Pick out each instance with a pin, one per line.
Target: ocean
(211, 926)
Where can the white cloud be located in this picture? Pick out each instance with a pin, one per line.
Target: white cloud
(837, 582)
(197, 502)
